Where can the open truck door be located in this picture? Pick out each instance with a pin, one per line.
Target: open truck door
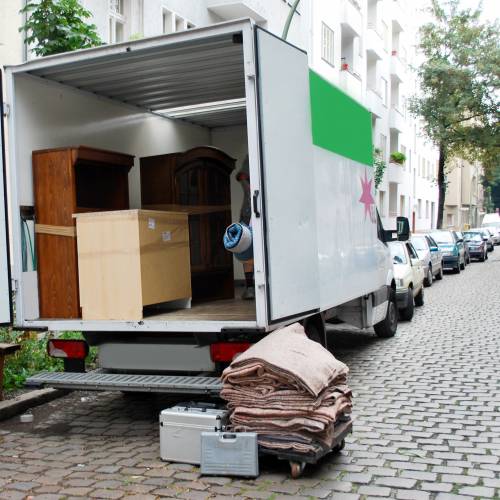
(288, 202)
(5, 284)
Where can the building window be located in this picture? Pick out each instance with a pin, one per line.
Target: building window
(402, 206)
(383, 90)
(381, 203)
(427, 210)
(327, 44)
(173, 23)
(117, 21)
(383, 146)
(449, 220)
(419, 208)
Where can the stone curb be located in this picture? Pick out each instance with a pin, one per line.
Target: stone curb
(19, 404)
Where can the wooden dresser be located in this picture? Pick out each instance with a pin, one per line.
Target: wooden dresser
(68, 181)
(196, 182)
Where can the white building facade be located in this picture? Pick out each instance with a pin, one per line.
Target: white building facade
(365, 47)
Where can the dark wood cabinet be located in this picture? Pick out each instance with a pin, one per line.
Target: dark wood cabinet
(198, 182)
(68, 181)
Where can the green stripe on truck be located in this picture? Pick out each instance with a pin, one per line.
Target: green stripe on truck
(339, 123)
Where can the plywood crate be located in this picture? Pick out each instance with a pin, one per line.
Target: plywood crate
(129, 259)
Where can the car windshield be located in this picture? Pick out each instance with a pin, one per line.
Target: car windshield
(419, 243)
(442, 237)
(473, 237)
(398, 253)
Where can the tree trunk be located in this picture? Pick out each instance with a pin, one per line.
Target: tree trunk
(441, 185)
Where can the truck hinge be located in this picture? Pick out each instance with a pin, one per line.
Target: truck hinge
(15, 285)
(6, 109)
(250, 70)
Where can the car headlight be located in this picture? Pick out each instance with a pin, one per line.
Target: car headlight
(399, 283)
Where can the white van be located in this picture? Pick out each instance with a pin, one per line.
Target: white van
(320, 251)
(492, 221)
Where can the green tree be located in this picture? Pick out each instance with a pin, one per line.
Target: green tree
(55, 26)
(459, 82)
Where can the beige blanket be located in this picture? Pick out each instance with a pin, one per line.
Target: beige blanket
(288, 389)
(285, 356)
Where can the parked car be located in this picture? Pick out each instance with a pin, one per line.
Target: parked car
(461, 240)
(477, 245)
(495, 228)
(409, 275)
(487, 237)
(453, 250)
(429, 253)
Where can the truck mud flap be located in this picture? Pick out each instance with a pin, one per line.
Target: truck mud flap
(98, 380)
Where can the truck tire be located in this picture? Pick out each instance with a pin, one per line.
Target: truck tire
(315, 329)
(389, 325)
(419, 299)
(407, 312)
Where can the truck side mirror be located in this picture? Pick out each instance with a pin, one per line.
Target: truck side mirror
(403, 230)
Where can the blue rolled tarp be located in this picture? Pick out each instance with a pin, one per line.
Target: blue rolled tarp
(238, 240)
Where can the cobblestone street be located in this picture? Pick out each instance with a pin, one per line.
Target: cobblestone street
(426, 404)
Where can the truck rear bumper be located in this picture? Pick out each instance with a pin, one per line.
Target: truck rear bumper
(99, 380)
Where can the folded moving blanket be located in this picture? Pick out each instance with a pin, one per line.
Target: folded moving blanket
(288, 389)
(286, 356)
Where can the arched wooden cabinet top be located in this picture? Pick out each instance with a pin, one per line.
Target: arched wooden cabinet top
(196, 181)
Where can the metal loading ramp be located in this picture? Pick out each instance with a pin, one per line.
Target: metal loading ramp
(99, 380)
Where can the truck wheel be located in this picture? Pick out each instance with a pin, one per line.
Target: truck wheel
(315, 329)
(407, 312)
(419, 299)
(389, 325)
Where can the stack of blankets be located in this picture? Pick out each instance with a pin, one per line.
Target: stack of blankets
(288, 389)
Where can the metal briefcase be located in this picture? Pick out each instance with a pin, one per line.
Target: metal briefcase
(229, 454)
(181, 427)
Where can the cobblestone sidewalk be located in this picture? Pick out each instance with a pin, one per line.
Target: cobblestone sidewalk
(427, 408)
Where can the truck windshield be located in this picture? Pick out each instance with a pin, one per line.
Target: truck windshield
(442, 237)
(397, 253)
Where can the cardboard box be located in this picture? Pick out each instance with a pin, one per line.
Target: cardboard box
(129, 259)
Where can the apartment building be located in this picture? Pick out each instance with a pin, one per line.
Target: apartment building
(464, 195)
(366, 47)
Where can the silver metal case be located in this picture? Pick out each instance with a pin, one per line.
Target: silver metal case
(181, 427)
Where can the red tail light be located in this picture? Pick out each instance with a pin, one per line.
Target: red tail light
(226, 351)
(70, 349)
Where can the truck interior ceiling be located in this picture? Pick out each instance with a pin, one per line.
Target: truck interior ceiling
(157, 127)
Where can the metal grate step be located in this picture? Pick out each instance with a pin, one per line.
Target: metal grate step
(99, 380)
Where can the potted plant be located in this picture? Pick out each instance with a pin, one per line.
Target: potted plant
(397, 157)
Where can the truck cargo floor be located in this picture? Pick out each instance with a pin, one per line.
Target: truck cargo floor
(217, 310)
(99, 380)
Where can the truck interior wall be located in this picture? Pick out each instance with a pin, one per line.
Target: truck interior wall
(50, 115)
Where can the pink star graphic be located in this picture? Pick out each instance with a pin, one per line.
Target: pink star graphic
(366, 196)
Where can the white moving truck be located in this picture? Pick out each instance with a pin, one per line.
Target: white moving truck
(320, 251)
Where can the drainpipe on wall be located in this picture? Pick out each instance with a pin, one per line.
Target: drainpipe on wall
(25, 46)
(289, 19)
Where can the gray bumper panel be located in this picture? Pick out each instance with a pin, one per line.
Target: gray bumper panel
(101, 381)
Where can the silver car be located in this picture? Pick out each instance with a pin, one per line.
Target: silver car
(430, 254)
